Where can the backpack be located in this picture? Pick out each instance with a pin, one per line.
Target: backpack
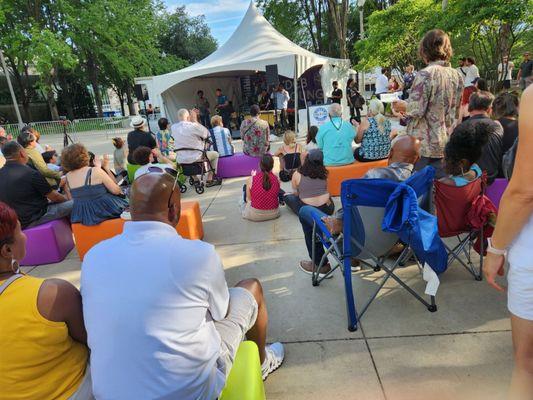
(509, 159)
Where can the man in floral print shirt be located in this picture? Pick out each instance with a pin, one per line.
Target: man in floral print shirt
(435, 100)
(255, 134)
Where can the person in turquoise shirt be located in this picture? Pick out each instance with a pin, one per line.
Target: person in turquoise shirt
(335, 138)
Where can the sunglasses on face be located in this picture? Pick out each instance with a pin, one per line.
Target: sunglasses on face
(171, 171)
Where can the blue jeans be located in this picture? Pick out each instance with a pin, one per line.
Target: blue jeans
(305, 215)
(53, 212)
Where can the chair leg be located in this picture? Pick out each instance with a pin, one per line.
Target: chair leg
(350, 301)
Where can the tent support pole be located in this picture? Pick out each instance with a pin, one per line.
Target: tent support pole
(296, 94)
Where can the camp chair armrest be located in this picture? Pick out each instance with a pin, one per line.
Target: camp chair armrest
(321, 227)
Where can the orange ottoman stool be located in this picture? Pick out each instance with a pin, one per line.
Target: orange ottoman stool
(356, 170)
(88, 236)
(190, 224)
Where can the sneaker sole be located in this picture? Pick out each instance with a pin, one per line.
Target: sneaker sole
(319, 275)
(274, 370)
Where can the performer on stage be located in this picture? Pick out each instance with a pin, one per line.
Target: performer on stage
(202, 104)
(264, 100)
(281, 101)
(223, 108)
(336, 95)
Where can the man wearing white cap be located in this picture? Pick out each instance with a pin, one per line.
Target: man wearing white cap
(139, 137)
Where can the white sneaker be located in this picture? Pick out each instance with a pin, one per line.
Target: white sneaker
(275, 353)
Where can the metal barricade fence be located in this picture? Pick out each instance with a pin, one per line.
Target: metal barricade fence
(77, 128)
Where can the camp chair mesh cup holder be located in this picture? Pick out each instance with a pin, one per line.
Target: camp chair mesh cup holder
(196, 171)
(362, 222)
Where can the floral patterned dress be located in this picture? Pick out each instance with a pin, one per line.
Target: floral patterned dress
(255, 137)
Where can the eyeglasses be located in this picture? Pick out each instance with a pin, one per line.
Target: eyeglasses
(171, 171)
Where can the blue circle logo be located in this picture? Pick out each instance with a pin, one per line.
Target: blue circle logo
(320, 114)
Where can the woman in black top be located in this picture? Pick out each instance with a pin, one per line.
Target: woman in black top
(505, 110)
(354, 100)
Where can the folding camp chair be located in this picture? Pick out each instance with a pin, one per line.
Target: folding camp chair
(452, 204)
(364, 202)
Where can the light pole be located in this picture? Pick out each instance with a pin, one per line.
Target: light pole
(360, 4)
(13, 97)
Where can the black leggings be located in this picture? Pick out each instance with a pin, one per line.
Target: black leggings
(294, 203)
(360, 158)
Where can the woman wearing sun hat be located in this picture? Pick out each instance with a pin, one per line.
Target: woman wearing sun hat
(139, 137)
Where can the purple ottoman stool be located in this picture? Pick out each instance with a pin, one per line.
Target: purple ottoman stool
(495, 191)
(48, 243)
(236, 165)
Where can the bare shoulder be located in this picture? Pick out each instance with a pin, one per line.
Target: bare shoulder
(55, 296)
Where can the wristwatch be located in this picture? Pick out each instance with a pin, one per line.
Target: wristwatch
(493, 250)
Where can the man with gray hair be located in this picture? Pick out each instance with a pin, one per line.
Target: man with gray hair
(189, 134)
(335, 138)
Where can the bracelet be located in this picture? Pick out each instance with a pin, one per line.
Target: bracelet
(493, 250)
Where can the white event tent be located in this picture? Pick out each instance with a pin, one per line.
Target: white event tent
(254, 45)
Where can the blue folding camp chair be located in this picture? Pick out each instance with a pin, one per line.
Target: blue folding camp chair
(377, 213)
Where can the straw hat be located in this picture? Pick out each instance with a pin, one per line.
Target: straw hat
(137, 122)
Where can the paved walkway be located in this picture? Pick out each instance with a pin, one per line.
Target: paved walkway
(401, 351)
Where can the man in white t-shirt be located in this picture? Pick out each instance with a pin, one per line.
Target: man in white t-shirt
(382, 83)
(189, 134)
(161, 321)
(505, 72)
(472, 71)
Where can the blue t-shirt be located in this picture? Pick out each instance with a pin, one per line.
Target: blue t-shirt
(335, 139)
(222, 99)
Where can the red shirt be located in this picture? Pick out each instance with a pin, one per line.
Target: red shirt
(262, 199)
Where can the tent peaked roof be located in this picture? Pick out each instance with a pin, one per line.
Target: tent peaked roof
(254, 44)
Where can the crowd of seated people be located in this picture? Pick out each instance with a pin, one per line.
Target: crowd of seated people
(95, 193)
(28, 141)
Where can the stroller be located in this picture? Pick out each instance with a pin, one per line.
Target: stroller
(197, 171)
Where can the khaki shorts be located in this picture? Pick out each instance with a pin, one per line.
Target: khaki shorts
(232, 330)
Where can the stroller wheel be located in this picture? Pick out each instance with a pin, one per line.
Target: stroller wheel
(183, 188)
(199, 188)
(191, 181)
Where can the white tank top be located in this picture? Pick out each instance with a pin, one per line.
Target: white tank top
(521, 251)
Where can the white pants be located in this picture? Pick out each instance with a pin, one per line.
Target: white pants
(212, 156)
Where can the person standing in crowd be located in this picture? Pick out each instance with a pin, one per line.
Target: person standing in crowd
(119, 155)
(480, 109)
(336, 94)
(139, 136)
(281, 101)
(28, 140)
(27, 192)
(382, 83)
(408, 79)
(223, 108)
(255, 134)
(505, 110)
(374, 134)
(335, 138)
(202, 104)
(394, 85)
(472, 73)
(163, 137)
(505, 72)
(264, 100)
(187, 133)
(161, 321)
(44, 343)
(354, 99)
(220, 138)
(513, 240)
(434, 104)
(525, 73)
(462, 67)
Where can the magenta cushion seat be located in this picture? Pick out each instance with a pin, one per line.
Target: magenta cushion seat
(48, 243)
(495, 191)
(236, 165)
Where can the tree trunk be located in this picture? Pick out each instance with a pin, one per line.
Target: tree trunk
(120, 95)
(129, 99)
(67, 94)
(93, 78)
(444, 5)
(338, 16)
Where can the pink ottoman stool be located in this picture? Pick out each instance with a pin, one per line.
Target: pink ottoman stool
(48, 243)
(495, 191)
(236, 165)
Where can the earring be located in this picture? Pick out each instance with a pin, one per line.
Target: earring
(15, 267)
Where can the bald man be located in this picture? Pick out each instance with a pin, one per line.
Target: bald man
(160, 318)
(405, 152)
(335, 138)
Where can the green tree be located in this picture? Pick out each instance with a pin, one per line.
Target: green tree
(185, 37)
